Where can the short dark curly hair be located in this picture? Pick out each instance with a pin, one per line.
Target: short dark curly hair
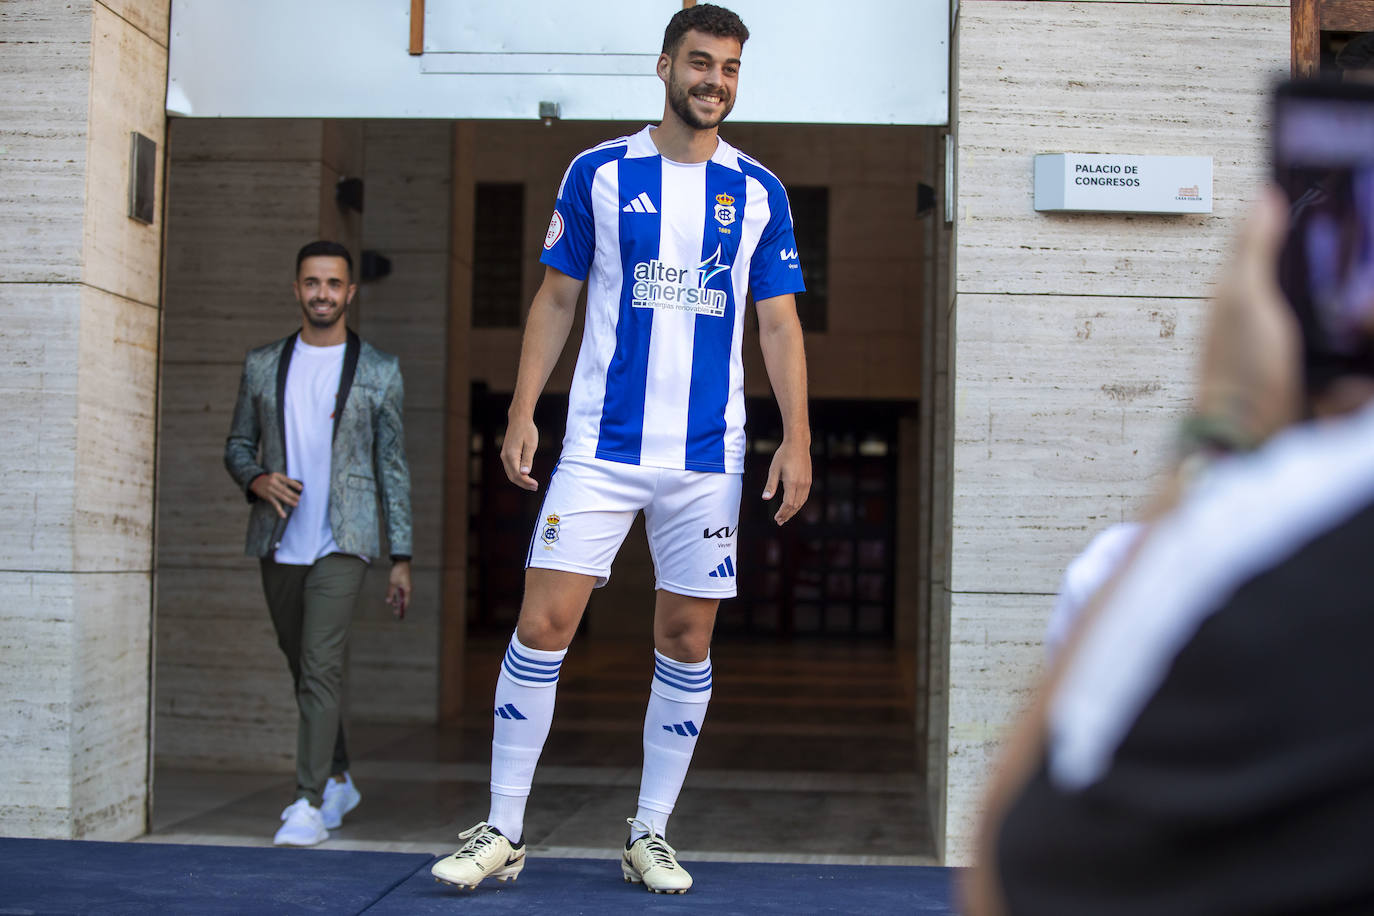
(713, 20)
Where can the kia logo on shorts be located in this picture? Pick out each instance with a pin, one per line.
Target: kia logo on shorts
(724, 531)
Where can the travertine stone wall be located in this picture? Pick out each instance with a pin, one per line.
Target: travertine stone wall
(78, 377)
(406, 218)
(1074, 335)
(243, 197)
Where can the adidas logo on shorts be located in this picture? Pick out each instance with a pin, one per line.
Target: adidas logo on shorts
(725, 570)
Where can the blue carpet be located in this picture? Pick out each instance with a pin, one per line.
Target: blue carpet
(573, 886)
(73, 878)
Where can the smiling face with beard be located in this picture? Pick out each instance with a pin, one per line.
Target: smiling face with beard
(701, 79)
(324, 290)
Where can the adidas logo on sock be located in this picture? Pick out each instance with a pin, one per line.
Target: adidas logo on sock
(509, 712)
(641, 204)
(685, 729)
(725, 570)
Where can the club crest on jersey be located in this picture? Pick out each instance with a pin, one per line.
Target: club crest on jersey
(725, 209)
(550, 533)
(683, 289)
(555, 231)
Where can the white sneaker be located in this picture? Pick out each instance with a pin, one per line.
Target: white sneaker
(304, 825)
(486, 854)
(652, 861)
(339, 799)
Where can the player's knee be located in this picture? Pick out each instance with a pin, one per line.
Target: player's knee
(542, 629)
(684, 643)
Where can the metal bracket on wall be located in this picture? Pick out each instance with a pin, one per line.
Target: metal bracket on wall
(142, 177)
(949, 178)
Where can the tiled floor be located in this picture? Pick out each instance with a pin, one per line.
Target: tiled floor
(808, 755)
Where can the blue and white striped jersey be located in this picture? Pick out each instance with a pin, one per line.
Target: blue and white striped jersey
(668, 251)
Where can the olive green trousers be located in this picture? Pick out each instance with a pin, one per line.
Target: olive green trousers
(312, 608)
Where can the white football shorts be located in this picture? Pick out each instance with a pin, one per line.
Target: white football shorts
(691, 518)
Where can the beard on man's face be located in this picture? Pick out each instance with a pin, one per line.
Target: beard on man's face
(326, 320)
(680, 101)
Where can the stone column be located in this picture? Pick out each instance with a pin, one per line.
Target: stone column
(1075, 336)
(79, 284)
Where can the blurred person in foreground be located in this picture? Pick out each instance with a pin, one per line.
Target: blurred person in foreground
(1204, 744)
(1084, 577)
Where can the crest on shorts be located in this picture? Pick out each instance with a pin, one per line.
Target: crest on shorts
(549, 535)
(725, 209)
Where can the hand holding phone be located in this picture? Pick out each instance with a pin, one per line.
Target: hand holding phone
(1324, 162)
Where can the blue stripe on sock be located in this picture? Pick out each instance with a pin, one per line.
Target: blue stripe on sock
(680, 730)
(685, 675)
(685, 668)
(532, 670)
(535, 677)
(658, 675)
(691, 729)
(534, 662)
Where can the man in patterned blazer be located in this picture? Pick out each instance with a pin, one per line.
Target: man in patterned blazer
(317, 444)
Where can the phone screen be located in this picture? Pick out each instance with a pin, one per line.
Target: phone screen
(1324, 161)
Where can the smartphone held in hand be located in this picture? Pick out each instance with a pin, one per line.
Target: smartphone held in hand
(1324, 161)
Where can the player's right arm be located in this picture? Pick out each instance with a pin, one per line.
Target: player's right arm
(546, 331)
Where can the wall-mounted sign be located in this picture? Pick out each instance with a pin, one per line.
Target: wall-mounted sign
(1105, 183)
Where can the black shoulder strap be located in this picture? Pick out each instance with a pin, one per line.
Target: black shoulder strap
(350, 366)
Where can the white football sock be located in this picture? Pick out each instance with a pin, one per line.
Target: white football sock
(525, 693)
(678, 698)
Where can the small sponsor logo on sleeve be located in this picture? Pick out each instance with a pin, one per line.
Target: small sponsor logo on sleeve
(555, 231)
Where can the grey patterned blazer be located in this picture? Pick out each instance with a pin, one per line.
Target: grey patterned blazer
(368, 462)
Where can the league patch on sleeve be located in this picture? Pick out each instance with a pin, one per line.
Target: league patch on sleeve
(555, 231)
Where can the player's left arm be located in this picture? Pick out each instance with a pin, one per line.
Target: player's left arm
(780, 337)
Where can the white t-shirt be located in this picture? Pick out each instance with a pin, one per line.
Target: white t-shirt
(312, 384)
(669, 252)
(1085, 577)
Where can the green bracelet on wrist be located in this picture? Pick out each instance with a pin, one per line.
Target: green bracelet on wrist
(1200, 433)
